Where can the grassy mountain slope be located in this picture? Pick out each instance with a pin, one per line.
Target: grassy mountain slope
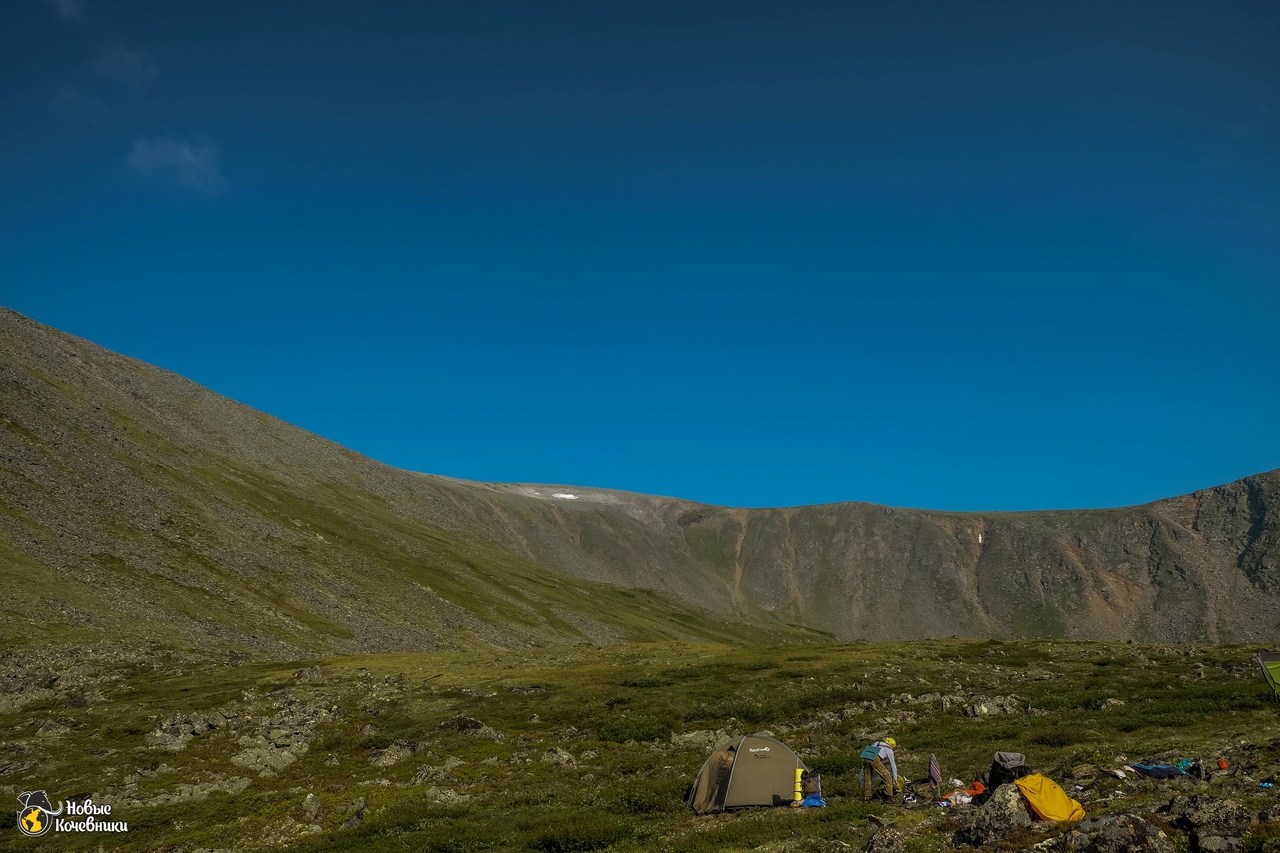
(134, 503)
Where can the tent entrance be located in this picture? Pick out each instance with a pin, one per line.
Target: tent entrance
(754, 770)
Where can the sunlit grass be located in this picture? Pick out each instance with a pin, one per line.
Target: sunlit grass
(620, 712)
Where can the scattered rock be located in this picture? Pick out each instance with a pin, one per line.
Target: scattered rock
(984, 707)
(168, 737)
(443, 795)
(180, 793)
(887, 840)
(1117, 834)
(560, 757)
(53, 728)
(355, 813)
(472, 726)
(264, 758)
(703, 739)
(393, 754)
(312, 808)
(1207, 816)
(466, 725)
(310, 673)
(426, 773)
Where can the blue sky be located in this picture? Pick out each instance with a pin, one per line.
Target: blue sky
(966, 256)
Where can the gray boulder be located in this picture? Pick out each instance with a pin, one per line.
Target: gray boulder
(355, 813)
(1118, 834)
(1208, 816)
(1004, 812)
(312, 808)
(436, 794)
(440, 773)
(171, 737)
(393, 754)
(472, 726)
(887, 840)
(556, 755)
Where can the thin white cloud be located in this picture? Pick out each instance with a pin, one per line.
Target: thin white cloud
(68, 10)
(120, 63)
(74, 107)
(193, 164)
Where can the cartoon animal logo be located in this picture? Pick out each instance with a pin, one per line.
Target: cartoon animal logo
(34, 817)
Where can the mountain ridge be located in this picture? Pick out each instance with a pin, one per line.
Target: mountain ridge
(207, 521)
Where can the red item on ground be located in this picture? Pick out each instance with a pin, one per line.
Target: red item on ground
(1222, 764)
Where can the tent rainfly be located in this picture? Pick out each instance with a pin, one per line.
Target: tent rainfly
(1270, 663)
(750, 771)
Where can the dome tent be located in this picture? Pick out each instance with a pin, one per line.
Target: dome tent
(753, 770)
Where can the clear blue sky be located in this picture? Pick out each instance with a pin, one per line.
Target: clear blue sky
(949, 255)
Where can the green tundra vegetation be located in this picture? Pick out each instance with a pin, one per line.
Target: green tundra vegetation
(582, 748)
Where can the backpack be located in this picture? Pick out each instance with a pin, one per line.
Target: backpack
(870, 753)
(1005, 767)
(810, 784)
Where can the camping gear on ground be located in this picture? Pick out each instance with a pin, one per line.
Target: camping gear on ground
(1047, 799)
(1006, 767)
(1156, 771)
(935, 772)
(964, 796)
(1270, 663)
(809, 784)
(1222, 764)
(918, 793)
(753, 770)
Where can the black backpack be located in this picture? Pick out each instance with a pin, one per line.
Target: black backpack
(1006, 767)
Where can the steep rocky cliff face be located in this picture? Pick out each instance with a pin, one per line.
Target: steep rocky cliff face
(134, 503)
(1197, 568)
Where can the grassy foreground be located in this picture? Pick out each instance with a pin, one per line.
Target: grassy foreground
(590, 748)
